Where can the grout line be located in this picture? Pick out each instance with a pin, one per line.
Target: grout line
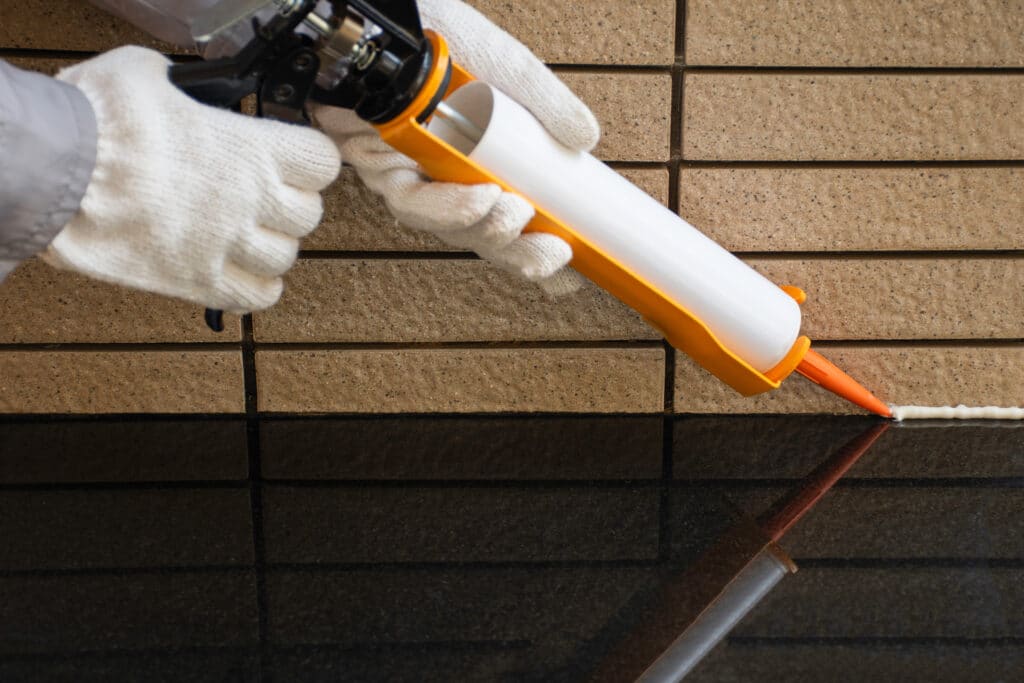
(873, 641)
(675, 153)
(121, 347)
(340, 254)
(852, 163)
(780, 70)
(810, 563)
(625, 484)
(470, 345)
(938, 254)
(255, 484)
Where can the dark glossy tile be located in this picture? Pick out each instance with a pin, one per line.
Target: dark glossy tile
(122, 451)
(69, 613)
(222, 666)
(123, 528)
(563, 606)
(854, 663)
(412, 663)
(898, 602)
(463, 448)
(413, 524)
(774, 447)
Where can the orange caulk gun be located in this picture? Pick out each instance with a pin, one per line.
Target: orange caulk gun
(375, 58)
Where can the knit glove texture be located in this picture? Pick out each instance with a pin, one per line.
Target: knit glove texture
(188, 200)
(482, 218)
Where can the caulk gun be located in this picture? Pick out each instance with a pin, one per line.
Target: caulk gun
(374, 57)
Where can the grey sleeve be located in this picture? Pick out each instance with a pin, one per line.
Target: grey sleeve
(47, 154)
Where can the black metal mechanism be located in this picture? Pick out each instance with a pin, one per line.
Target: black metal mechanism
(369, 56)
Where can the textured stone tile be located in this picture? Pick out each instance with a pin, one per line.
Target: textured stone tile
(888, 522)
(448, 524)
(59, 614)
(854, 663)
(916, 298)
(63, 25)
(356, 219)
(43, 305)
(616, 33)
(915, 375)
(462, 380)
(792, 446)
(765, 116)
(107, 529)
(438, 605)
(978, 602)
(855, 33)
(471, 448)
(855, 209)
(436, 301)
(634, 110)
(121, 382)
(137, 450)
(46, 65)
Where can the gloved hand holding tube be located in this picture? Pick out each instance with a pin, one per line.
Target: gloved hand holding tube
(707, 303)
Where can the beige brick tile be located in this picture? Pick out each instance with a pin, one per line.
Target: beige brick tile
(855, 33)
(853, 116)
(915, 298)
(633, 109)
(915, 374)
(435, 301)
(67, 25)
(39, 304)
(853, 209)
(616, 33)
(121, 382)
(462, 380)
(356, 219)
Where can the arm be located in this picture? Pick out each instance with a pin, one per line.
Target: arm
(47, 154)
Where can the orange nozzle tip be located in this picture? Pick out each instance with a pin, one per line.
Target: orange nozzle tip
(821, 370)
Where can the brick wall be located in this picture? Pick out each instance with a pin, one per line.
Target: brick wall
(868, 152)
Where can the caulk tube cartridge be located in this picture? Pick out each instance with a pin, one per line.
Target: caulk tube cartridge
(602, 213)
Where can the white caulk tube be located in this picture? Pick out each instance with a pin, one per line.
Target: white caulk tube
(752, 317)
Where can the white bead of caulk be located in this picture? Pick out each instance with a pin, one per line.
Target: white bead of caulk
(961, 412)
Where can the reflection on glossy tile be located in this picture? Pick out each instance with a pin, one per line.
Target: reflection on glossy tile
(122, 451)
(463, 448)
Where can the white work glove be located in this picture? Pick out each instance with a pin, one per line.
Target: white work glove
(482, 218)
(188, 200)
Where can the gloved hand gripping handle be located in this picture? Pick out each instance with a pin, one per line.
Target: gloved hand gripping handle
(278, 66)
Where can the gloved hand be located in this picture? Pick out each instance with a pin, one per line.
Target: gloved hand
(188, 200)
(478, 217)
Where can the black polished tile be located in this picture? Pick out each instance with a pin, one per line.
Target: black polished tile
(124, 528)
(907, 662)
(776, 447)
(954, 522)
(413, 524)
(560, 606)
(219, 666)
(463, 448)
(412, 663)
(73, 613)
(67, 451)
(897, 602)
